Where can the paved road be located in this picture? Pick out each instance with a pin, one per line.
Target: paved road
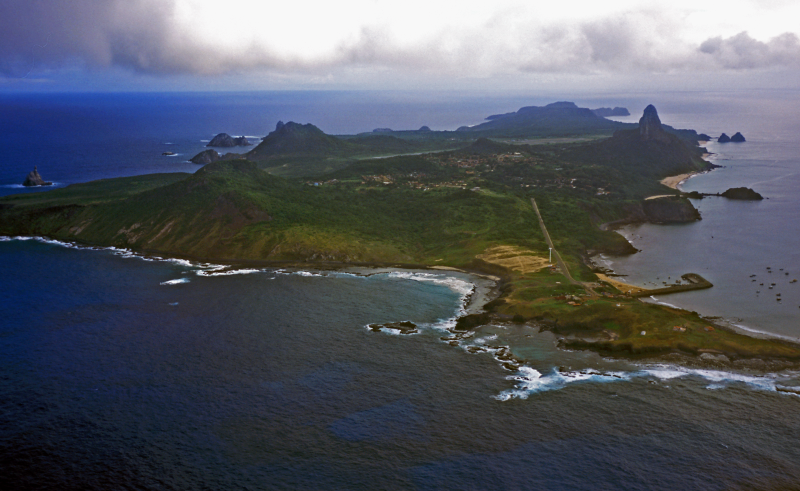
(561, 265)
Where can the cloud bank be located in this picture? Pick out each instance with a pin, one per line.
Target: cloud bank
(160, 37)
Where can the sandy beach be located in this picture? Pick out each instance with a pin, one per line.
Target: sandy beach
(674, 181)
(619, 285)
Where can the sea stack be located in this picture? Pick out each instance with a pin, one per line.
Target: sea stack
(723, 138)
(738, 137)
(34, 179)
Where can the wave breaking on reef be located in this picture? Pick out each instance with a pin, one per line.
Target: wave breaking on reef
(530, 381)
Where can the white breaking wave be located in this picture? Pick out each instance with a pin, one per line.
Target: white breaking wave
(659, 302)
(486, 339)
(127, 253)
(456, 285)
(228, 272)
(175, 282)
(531, 381)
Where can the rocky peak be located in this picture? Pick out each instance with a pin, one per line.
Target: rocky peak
(649, 124)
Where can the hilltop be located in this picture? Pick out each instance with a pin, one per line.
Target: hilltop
(294, 138)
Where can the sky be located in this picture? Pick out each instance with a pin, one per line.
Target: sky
(503, 45)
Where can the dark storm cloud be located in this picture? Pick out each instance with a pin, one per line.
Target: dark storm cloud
(138, 34)
(144, 36)
(743, 52)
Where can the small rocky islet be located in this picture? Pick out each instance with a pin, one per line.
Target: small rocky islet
(34, 179)
(736, 138)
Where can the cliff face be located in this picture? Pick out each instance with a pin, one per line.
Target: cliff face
(670, 210)
(650, 125)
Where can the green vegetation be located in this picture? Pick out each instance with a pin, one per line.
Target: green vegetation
(467, 208)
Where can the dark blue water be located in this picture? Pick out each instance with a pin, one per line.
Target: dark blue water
(118, 372)
(80, 137)
(114, 378)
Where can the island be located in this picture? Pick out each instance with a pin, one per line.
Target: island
(226, 140)
(742, 194)
(494, 199)
(34, 179)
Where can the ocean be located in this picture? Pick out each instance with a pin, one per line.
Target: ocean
(132, 372)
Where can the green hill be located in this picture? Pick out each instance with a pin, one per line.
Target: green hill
(303, 139)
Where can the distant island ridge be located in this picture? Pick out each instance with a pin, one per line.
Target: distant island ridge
(225, 140)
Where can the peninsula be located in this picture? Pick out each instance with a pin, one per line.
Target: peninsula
(445, 199)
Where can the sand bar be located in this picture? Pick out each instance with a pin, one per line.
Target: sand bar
(674, 181)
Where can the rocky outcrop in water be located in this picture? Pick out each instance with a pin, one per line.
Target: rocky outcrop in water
(742, 193)
(738, 138)
(205, 157)
(723, 138)
(34, 179)
(226, 140)
(671, 209)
